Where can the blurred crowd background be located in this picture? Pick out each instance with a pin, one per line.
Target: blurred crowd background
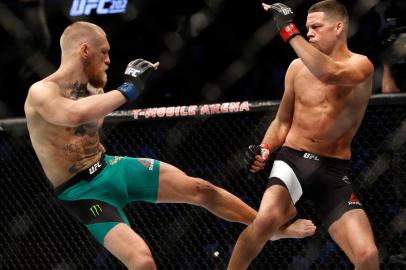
(210, 50)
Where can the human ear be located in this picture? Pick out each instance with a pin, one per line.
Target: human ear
(84, 50)
(339, 27)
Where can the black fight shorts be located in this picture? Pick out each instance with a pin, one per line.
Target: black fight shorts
(322, 180)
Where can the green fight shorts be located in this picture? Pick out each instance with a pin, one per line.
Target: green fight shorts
(97, 195)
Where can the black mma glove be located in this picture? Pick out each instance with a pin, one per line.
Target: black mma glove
(135, 75)
(283, 17)
(254, 150)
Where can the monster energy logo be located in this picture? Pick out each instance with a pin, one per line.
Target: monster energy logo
(96, 210)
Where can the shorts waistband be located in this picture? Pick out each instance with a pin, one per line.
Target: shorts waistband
(313, 156)
(85, 175)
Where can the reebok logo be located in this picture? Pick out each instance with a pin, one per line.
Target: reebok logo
(147, 163)
(85, 7)
(96, 210)
(94, 167)
(310, 156)
(353, 200)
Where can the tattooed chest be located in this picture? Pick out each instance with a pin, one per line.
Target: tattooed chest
(75, 91)
(84, 138)
(83, 146)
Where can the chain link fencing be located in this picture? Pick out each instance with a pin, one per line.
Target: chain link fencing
(207, 142)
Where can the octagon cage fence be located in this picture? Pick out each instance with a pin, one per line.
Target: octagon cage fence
(206, 141)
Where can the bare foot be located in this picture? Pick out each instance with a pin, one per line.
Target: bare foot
(299, 229)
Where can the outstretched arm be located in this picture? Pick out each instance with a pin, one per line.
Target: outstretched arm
(46, 98)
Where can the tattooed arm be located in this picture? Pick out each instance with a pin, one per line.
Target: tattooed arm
(71, 105)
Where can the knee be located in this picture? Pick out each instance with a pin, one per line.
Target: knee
(266, 225)
(137, 262)
(270, 222)
(368, 255)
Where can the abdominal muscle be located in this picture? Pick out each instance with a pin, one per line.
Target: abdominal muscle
(322, 131)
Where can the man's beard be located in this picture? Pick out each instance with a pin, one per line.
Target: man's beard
(96, 77)
(97, 81)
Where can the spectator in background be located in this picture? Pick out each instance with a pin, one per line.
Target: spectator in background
(393, 52)
(388, 84)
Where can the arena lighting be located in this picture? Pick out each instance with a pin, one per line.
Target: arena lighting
(101, 7)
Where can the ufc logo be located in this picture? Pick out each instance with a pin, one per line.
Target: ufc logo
(85, 7)
(310, 156)
(287, 11)
(94, 168)
(132, 71)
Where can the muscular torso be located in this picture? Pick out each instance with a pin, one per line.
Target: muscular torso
(64, 151)
(326, 117)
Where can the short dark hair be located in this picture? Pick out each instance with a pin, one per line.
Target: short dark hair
(332, 8)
